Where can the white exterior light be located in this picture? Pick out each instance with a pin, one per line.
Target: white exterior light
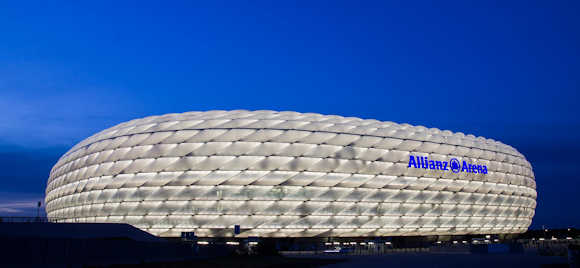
(289, 174)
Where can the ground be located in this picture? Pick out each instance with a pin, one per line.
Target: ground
(451, 260)
(390, 260)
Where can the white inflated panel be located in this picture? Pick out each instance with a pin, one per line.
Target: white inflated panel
(289, 174)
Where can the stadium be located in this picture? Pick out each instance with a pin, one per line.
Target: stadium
(290, 174)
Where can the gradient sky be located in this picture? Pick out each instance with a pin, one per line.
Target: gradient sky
(509, 72)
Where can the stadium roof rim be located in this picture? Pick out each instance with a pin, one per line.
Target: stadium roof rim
(300, 117)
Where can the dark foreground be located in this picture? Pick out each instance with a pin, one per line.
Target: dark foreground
(451, 260)
(240, 262)
(39, 244)
(391, 260)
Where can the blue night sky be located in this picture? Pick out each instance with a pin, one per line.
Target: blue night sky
(507, 71)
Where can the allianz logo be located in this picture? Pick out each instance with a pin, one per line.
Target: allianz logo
(453, 164)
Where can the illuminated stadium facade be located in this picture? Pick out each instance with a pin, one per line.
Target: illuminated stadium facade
(289, 174)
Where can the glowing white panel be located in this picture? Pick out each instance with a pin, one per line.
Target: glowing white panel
(287, 174)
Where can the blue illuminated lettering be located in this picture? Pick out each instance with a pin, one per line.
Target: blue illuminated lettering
(432, 164)
(424, 163)
(412, 162)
